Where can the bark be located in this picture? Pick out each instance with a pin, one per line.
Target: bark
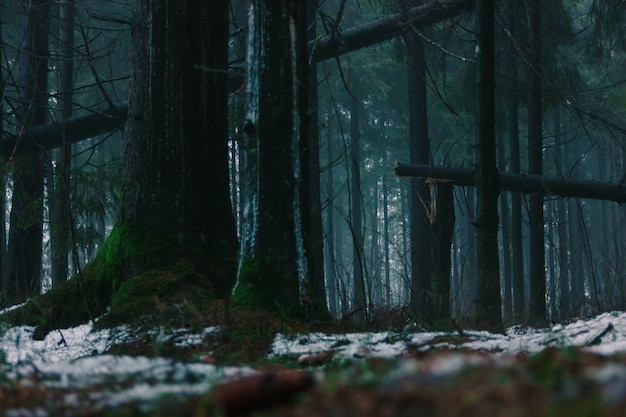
(522, 183)
(177, 154)
(26, 228)
(274, 264)
(488, 314)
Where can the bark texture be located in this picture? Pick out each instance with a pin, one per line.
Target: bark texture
(23, 278)
(274, 263)
(177, 155)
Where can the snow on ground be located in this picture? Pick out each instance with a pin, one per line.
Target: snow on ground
(605, 334)
(76, 357)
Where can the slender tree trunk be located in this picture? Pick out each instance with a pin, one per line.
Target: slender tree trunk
(59, 186)
(386, 240)
(376, 296)
(316, 236)
(507, 299)
(26, 228)
(562, 226)
(331, 280)
(443, 234)
(356, 215)
(517, 251)
(537, 308)
(489, 315)
(422, 303)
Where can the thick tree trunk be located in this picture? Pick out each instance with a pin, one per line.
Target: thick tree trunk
(26, 229)
(177, 154)
(274, 265)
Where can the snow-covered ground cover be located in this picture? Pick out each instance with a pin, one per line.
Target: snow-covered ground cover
(78, 358)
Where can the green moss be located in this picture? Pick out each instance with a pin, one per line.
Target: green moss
(260, 285)
(73, 302)
(140, 274)
(162, 296)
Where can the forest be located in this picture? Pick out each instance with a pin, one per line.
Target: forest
(369, 242)
(372, 165)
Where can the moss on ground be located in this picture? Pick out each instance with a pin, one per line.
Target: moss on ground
(142, 276)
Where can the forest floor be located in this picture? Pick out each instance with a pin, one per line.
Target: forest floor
(263, 366)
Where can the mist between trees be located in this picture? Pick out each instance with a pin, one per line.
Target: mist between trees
(273, 141)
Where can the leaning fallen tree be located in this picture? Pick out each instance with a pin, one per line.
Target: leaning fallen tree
(521, 183)
(381, 30)
(52, 135)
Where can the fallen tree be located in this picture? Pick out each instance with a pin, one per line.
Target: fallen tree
(47, 136)
(381, 30)
(522, 183)
(52, 135)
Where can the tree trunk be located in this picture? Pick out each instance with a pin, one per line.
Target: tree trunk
(523, 183)
(3, 191)
(422, 302)
(537, 307)
(177, 153)
(378, 31)
(488, 315)
(443, 220)
(316, 235)
(59, 191)
(26, 228)
(386, 239)
(517, 249)
(356, 216)
(562, 226)
(331, 279)
(274, 264)
(505, 216)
